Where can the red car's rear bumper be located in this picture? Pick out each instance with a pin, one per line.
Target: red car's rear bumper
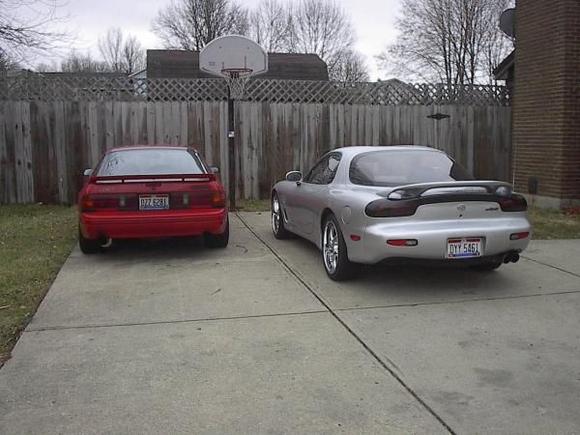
(169, 223)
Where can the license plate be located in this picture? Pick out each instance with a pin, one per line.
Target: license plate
(465, 248)
(153, 202)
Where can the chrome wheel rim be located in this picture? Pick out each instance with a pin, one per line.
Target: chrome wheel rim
(276, 215)
(330, 246)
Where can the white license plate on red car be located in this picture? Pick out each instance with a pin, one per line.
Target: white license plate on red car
(153, 202)
(468, 247)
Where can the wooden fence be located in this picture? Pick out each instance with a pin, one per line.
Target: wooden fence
(44, 146)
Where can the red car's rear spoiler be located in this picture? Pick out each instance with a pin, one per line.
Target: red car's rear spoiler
(169, 178)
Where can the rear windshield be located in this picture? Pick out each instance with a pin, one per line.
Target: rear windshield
(150, 162)
(395, 168)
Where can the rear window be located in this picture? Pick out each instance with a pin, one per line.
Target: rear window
(395, 168)
(150, 162)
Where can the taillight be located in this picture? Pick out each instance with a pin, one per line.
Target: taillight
(402, 242)
(514, 202)
(108, 202)
(388, 208)
(520, 236)
(218, 195)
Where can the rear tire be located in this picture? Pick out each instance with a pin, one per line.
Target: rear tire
(89, 246)
(487, 267)
(278, 228)
(218, 240)
(334, 252)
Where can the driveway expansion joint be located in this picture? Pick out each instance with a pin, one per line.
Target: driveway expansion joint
(551, 265)
(330, 310)
(459, 301)
(167, 322)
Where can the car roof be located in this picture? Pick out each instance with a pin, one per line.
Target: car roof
(354, 150)
(148, 147)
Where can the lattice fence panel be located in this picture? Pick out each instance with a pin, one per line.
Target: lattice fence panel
(49, 88)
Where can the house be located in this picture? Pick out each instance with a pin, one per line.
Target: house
(544, 72)
(185, 64)
(505, 70)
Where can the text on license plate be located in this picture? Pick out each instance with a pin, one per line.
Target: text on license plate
(464, 248)
(153, 202)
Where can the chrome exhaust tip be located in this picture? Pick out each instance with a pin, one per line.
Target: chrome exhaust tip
(106, 242)
(512, 257)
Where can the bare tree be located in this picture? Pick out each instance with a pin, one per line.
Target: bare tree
(121, 54)
(191, 24)
(27, 26)
(77, 63)
(133, 55)
(270, 25)
(350, 67)
(321, 27)
(446, 40)
(45, 67)
(111, 48)
(6, 63)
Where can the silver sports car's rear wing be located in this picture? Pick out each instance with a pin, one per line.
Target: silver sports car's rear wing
(404, 200)
(449, 188)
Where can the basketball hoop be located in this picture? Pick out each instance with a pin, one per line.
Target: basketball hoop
(237, 78)
(236, 59)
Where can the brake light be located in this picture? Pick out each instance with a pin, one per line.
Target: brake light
(388, 208)
(218, 196)
(402, 242)
(108, 202)
(513, 203)
(519, 236)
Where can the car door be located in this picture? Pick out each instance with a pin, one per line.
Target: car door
(314, 191)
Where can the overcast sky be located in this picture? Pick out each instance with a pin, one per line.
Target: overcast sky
(88, 19)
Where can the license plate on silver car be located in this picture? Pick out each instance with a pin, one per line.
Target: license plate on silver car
(465, 248)
(153, 202)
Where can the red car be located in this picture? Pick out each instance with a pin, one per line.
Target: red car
(149, 192)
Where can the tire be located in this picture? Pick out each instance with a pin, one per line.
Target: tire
(89, 246)
(218, 240)
(487, 267)
(334, 252)
(277, 220)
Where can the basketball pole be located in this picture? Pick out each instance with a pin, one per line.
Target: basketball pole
(231, 151)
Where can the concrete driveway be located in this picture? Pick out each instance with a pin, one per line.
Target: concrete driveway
(168, 337)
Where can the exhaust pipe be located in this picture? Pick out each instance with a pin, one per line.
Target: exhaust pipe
(512, 257)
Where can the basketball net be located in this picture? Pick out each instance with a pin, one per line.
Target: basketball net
(237, 78)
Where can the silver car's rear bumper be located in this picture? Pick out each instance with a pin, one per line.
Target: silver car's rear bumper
(432, 238)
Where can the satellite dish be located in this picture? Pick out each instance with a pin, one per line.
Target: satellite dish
(507, 22)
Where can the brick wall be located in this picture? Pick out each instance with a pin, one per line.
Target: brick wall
(546, 108)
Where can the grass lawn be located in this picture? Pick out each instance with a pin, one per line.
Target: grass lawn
(555, 224)
(548, 224)
(35, 240)
(253, 204)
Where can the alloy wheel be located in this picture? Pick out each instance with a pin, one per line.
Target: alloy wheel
(330, 246)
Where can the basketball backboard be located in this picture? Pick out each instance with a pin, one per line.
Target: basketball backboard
(233, 53)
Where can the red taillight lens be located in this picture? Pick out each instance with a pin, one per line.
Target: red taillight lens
(388, 208)
(108, 202)
(218, 196)
(514, 202)
(402, 242)
(87, 203)
(519, 236)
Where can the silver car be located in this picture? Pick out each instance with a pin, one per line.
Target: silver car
(371, 204)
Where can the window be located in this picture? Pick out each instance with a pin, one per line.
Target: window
(152, 161)
(395, 168)
(325, 170)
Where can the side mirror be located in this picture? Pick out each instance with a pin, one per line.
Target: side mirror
(87, 172)
(295, 176)
(214, 170)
